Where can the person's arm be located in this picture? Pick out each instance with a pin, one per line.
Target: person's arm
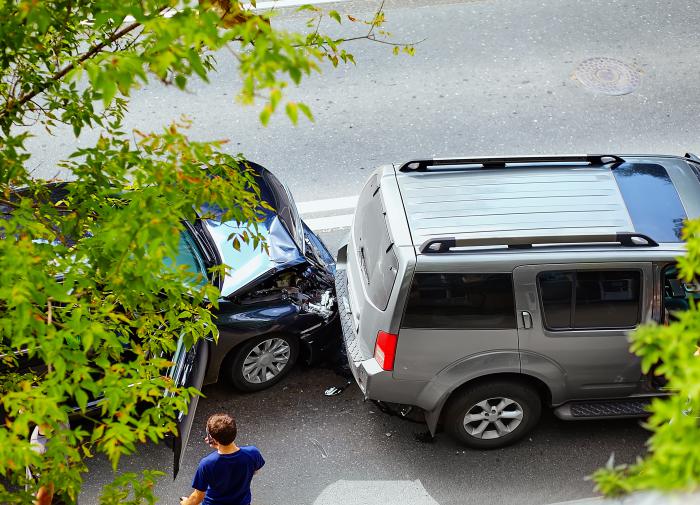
(259, 461)
(195, 498)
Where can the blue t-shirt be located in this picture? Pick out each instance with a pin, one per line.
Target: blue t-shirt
(226, 477)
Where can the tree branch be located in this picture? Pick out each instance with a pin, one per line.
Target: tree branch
(94, 50)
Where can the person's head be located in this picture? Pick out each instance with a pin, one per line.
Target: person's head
(221, 429)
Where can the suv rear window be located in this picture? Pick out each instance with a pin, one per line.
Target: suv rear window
(461, 301)
(378, 261)
(588, 299)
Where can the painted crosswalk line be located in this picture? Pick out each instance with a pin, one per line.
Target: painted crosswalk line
(329, 213)
(281, 4)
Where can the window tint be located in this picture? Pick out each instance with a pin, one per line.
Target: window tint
(590, 299)
(464, 301)
(652, 200)
(556, 289)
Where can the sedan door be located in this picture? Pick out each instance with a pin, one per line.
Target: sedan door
(188, 370)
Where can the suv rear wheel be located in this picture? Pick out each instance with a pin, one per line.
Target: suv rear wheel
(493, 414)
(262, 362)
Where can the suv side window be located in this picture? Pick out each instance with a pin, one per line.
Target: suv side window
(588, 299)
(461, 301)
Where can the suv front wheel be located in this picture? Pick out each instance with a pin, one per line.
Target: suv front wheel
(493, 414)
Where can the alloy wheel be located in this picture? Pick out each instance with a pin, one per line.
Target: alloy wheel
(266, 360)
(493, 418)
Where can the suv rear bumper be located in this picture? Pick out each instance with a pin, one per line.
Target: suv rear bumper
(375, 382)
(356, 360)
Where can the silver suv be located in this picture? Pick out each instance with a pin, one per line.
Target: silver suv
(483, 289)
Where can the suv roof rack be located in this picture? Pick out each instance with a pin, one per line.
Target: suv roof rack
(502, 161)
(627, 239)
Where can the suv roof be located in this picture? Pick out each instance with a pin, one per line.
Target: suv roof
(520, 201)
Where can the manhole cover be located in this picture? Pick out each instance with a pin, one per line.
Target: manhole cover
(607, 75)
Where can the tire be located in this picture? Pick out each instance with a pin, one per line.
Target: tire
(262, 361)
(489, 427)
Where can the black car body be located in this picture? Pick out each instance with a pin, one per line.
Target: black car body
(282, 295)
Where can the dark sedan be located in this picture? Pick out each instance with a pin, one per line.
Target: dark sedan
(277, 303)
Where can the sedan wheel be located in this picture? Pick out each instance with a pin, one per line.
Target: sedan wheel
(266, 360)
(262, 362)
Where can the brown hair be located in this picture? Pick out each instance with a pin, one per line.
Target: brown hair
(222, 428)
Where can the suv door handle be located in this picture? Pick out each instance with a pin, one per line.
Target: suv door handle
(527, 319)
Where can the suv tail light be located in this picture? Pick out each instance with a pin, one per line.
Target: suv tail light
(385, 350)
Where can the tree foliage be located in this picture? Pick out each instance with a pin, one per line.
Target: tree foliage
(673, 461)
(85, 290)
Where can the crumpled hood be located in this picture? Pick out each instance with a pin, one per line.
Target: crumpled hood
(248, 265)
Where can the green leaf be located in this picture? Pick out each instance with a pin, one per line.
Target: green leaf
(306, 111)
(275, 97)
(265, 114)
(81, 399)
(292, 110)
(109, 89)
(196, 62)
(180, 81)
(335, 15)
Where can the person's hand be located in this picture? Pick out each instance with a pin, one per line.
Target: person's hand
(210, 441)
(183, 500)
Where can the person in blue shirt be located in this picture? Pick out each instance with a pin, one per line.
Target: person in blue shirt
(223, 477)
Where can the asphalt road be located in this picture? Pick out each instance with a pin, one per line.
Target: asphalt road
(340, 450)
(490, 77)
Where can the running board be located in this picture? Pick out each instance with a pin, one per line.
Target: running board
(608, 409)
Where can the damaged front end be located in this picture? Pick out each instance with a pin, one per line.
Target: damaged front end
(277, 302)
(308, 291)
(299, 301)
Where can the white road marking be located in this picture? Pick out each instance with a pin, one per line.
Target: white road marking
(330, 222)
(274, 4)
(375, 492)
(328, 214)
(279, 4)
(328, 205)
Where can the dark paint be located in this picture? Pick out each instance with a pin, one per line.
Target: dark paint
(305, 257)
(237, 324)
(239, 319)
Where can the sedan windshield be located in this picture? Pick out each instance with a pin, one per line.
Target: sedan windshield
(188, 255)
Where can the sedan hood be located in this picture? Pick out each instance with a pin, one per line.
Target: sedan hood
(249, 265)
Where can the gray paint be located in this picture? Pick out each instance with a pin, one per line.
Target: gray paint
(485, 205)
(588, 362)
(518, 201)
